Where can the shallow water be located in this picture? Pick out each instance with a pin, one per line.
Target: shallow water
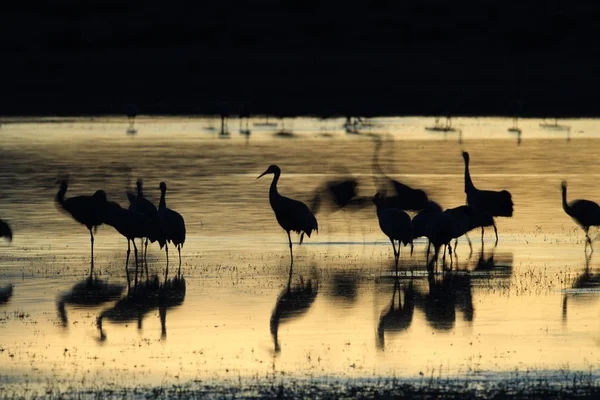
(531, 303)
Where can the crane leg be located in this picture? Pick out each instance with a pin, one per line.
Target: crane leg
(291, 254)
(444, 258)
(146, 260)
(470, 246)
(482, 236)
(127, 266)
(179, 251)
(92, 257)
(167, 269)
(496, 232)
(396, 255)
(427, 257)
(135, 253)
(450, 253)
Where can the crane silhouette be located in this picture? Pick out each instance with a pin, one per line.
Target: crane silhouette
(465, 219)
(421, 221)
(584, 212)
(395, 224)
(5, 231)
(496, 204)
(173, 227)
(87, 210)
(405, 197)
(440, 232)
(292, 215)
(138, 203)
(132, 225)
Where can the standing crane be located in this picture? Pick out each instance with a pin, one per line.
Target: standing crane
(292, 215)
(173, 227)
(87, 210)
(584, 212)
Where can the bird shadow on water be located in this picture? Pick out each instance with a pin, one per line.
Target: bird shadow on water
(293, 302)
(149, 295)
(89, 292)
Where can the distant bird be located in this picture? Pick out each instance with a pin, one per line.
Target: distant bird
(395, 224)
(87, 210)
(292, 215)
(140, 204)
(5, 231)
(132, 225)
(584, 212)
(496, 204)
(173, 227)
(405, 197)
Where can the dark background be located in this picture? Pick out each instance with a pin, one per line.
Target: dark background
(67, 57)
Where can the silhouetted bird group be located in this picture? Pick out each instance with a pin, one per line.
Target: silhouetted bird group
(438, 226)
(140, 220)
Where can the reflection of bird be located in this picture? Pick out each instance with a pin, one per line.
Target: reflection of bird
(5, 231)
(496, 204)
(87, 210)
(292, 215)
(88, 292)
(140, 204)
(292, 303)
(5, 293)
(584, 212)
(132, 225)
(149, 296)
(405, 197)
(173, 227)
(396, 318)
(395, 224)
(445, 296)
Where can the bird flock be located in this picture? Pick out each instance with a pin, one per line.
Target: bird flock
(439, 226)
(143, 220)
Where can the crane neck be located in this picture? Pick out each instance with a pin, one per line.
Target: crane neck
(163, 203)
(273, 193)
(565, 205)
(468, 182)
(140, 191)
(60, 195)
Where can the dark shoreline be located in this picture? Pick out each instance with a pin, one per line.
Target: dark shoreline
(378, 82)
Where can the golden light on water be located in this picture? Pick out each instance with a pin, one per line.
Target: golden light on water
(517, 307)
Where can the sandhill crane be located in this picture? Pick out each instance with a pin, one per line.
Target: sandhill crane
(496, 204)
(405, 197)
(140, 204)
(292, 215)
(133, 225)
(465, 219)
(420, 222)
(87, 210)
(395, 224)
(440, 232)
(5, 231)
(584, 212)
(173, 227)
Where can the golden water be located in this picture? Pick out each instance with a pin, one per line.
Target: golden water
(532, 306)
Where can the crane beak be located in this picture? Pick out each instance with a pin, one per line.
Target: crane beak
(264, 173)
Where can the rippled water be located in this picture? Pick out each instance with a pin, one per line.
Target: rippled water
(529, 303)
